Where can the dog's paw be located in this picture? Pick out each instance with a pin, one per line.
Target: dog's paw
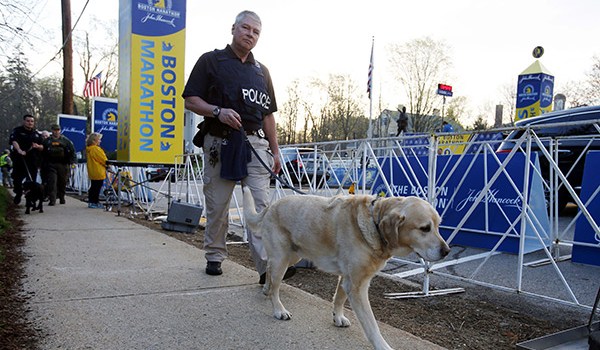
(341, 321)
(282, 315)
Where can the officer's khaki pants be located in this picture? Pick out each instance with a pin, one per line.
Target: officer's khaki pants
(217, 193)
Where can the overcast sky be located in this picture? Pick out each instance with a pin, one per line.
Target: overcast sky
(490, 41)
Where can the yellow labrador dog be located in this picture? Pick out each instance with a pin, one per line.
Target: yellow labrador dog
(350, 236)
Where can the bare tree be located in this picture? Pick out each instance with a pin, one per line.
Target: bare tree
(96, 59)
(508, 99)
(593, 81)
(12, 14)
(587, 91)
(457, 110)
(342, 117)
(419, 66)
(288, 121)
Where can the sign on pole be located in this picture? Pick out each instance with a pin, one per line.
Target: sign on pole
(444, 90)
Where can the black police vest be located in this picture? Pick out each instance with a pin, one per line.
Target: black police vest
(242, 87)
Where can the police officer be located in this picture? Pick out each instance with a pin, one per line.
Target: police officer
(234, 93)
(26, 150)
(58, 155)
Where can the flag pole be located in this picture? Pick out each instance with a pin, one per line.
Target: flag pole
(370, 91)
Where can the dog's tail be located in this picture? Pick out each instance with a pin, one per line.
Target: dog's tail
(251, 217)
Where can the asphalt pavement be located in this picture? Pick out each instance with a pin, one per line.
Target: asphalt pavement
(100, 281)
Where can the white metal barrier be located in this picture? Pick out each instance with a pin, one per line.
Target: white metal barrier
(352, 167)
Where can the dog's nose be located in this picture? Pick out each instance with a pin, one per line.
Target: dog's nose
(445, 250)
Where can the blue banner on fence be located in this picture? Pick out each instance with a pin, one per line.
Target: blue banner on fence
(74, 127)
(584, 232)
(105, 118)
(457, 190)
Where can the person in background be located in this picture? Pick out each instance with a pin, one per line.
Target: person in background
(447, 127)
(26, 145)
(43, 169)
(6, 166)
(402, 121)
(234, 93)
(96, 167)
(58, 155)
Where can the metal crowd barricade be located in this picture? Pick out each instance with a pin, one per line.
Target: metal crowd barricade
(355, 166)
(352, 165)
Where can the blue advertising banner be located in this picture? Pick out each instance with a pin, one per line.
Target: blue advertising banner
(584, 232)
(493, 216)
(74, 127)
(104, 121)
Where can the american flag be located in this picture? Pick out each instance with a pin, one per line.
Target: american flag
(370, 80)
(93, 86)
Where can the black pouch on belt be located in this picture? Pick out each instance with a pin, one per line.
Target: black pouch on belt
(198, 139)
(235, 156)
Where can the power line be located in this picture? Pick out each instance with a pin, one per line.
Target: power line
(67, 39)
(56, 55)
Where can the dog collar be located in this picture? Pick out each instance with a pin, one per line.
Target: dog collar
(384, 241)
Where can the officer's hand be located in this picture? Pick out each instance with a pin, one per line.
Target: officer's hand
(276, 165)
(230, 117)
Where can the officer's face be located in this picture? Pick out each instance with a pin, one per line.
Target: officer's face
(28, 123)
(246, 33)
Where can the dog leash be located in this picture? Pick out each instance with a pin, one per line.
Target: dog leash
(27, 168)
(282, 181)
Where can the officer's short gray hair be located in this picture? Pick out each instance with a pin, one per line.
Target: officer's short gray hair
(240, 17)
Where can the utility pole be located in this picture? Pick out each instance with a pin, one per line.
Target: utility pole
(67, 101)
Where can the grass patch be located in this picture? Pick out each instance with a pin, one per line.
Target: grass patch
(4, 223)
(4, 200)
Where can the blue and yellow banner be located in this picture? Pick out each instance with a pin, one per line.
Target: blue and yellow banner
(535, 89)
(105, 120)
(151, 66)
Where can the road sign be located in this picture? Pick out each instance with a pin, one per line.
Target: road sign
(444, 90)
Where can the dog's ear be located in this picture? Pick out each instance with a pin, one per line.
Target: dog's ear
(390, 219)
(390, 226)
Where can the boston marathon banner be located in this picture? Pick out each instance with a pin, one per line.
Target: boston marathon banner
(104, 121)
(535, 89)
(74, 127)
(459, 187)
(151, 80)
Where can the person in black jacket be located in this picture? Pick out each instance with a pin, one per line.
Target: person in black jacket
(59, 154)
(26, 145)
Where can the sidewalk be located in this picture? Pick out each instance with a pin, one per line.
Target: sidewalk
(100, 281)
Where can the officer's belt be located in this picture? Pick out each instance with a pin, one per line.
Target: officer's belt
(259, 132)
